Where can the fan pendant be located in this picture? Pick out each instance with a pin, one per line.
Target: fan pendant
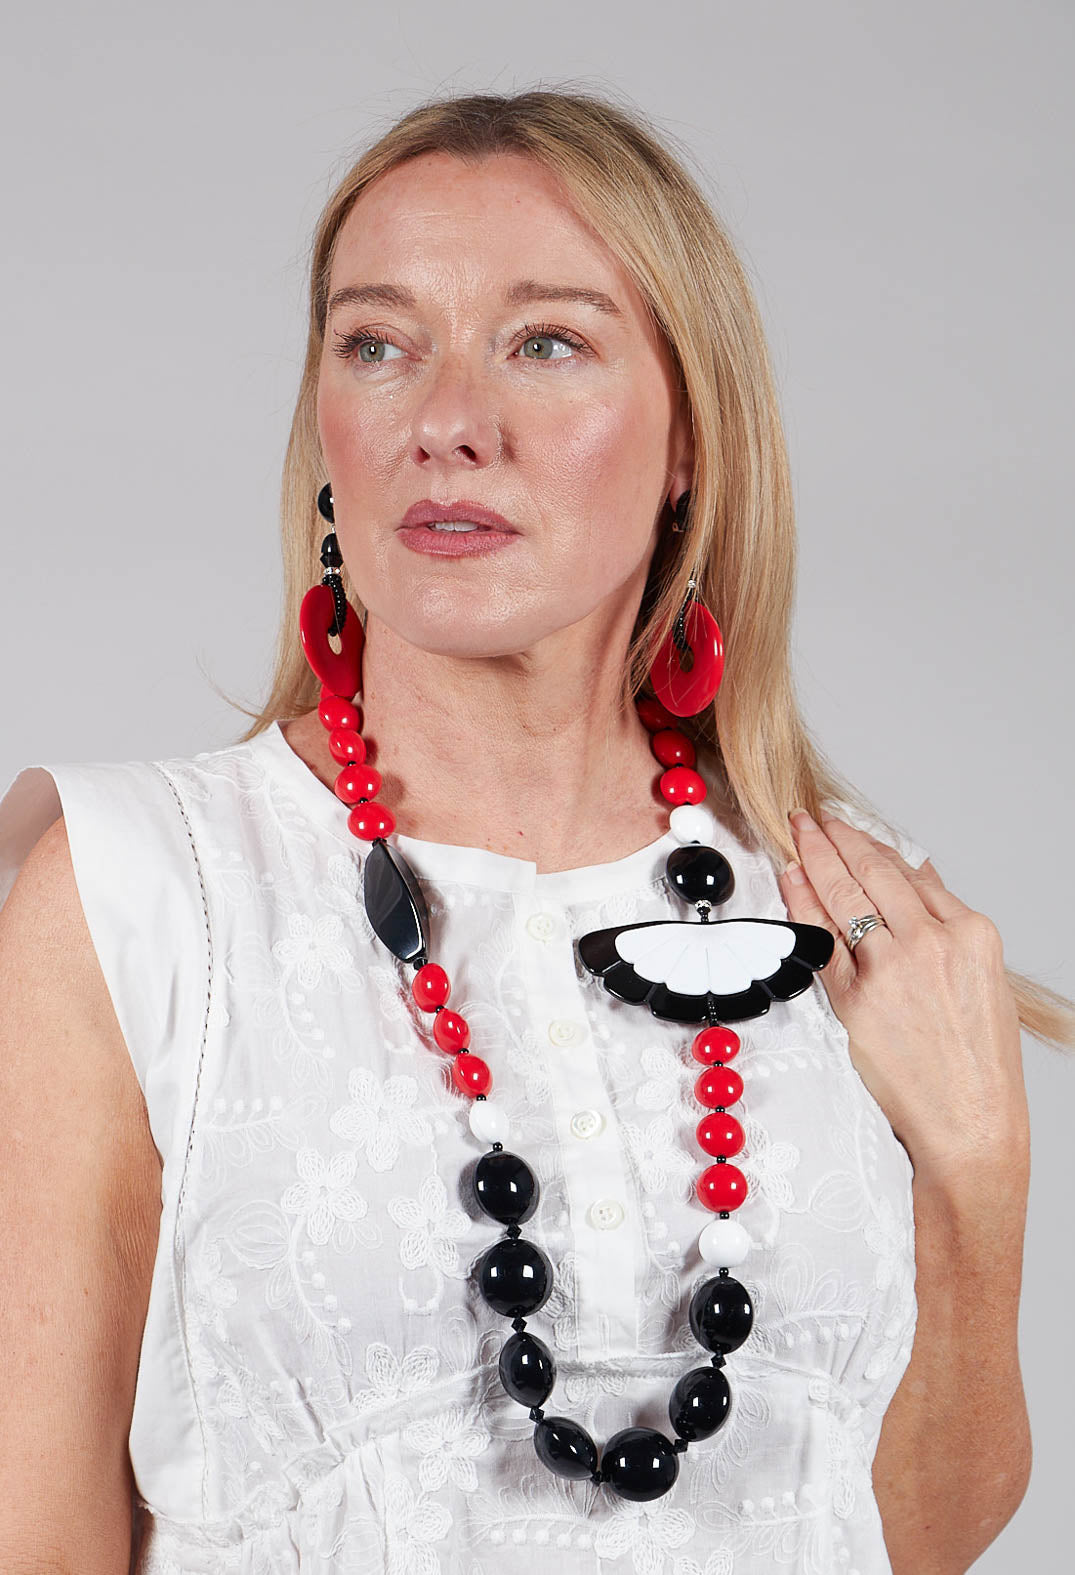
(723, 970)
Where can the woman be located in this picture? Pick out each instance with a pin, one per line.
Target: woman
(536, 407)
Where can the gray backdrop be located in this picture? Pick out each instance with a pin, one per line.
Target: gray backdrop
(898, 180)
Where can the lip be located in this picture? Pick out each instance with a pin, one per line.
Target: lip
(429, 513)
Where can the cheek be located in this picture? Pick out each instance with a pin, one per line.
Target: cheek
(597, 464)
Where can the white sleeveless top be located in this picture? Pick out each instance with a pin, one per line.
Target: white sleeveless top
(318, 1385)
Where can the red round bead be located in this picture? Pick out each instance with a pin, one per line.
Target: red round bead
(334, 711)
(348, 785)
(681, 785)
(720, 1134)
(371, 820)
(470, 1073)
(346, 746)
(672, 747)
(718, 1085)
(715, 1044)
(451, 1031)
(721, 1187)
(431, 987)
(654, 716)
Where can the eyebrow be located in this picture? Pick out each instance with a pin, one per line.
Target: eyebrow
(521, 293)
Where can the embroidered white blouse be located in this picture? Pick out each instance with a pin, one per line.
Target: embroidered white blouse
(318, 1385)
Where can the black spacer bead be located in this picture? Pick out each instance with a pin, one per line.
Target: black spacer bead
(717, 1360)
(498, 1148)
(724, 1215)
(721, 1159)
(536, 1414)
(597, 1477)
(514, 1232)
(723, 1274)
(680, 1445)
(518, 1324)
(478, 1096)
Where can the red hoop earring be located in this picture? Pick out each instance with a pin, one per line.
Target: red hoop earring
(697, 633)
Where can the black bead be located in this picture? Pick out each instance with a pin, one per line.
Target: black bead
(394, 903)
(527, 1369)
(565, 1447)
(505, 1188)
(699, 1403)
(721, 1314)
(515, 1277)
(699, 874)
(324, 503)
(639, 1463)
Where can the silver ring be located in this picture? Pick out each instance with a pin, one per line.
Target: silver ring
(860, 927)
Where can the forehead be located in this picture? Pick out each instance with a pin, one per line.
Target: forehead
(437, 219)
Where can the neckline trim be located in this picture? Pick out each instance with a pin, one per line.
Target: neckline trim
(470, 866)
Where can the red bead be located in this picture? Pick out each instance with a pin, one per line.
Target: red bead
(355, 782)
(653, 715)
(720, 1134)
(470, 1074)
(715, 1044)
(718, 1085)
(371, 820)
(431, 987)
(721, 1187)
(347, 746)
(337, 712)
(672, 747)
(451, 1031)
(681, 785)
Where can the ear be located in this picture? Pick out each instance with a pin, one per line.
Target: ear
(681, 453)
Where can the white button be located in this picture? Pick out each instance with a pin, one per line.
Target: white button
(606, 1214)
(587, 1123)
(542, 926)
(562, 1031)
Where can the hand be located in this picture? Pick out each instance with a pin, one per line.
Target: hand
(931, 1019)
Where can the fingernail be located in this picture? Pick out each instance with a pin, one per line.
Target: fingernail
(800, 818)
(794, 873)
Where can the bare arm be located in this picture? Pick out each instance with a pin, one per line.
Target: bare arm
(953, 1461)
(79, 1217)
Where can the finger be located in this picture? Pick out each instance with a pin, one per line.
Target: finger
(805, 907)
(853, 879)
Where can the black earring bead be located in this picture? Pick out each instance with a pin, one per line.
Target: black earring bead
(505, 1187)
(565, 1447)
(527, 1369)
(721, 1314)
(639, 1463)
(324, 503)
(699, 1403)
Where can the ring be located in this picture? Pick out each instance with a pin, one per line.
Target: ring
(860, 927)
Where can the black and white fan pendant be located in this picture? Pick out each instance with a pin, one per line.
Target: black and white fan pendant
(719, 970)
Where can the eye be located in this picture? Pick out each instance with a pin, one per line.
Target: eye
(356, 344)
(542, 335)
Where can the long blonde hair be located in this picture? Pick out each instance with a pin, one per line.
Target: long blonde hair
(740, 545)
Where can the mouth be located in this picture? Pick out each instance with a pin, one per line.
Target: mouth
(459, 518)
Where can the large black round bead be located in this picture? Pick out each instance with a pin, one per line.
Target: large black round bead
(699, 1403)
(565, 1447)
(721, 1314)
(505, 1188)
(699, 874)
(515, 1277)
(639, 1463)
(527, 1369)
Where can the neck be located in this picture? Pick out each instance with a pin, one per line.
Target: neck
(530, 755)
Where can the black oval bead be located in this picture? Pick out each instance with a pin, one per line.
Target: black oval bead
(699, 1403)
(699, 874)
(639, 1463)
(505, 1188)
(721, 1314)
(565, 1447)
(515, 1277)
(527, 1369)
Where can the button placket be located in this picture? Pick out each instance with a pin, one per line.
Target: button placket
(594, 1165)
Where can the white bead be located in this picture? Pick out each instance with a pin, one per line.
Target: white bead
(488, 1122)
(691, 823)
(725, 1243)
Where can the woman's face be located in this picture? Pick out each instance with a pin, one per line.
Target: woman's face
(476, 383)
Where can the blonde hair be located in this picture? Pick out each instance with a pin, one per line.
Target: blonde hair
(740, 545)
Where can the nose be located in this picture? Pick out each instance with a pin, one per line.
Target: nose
(456, 422)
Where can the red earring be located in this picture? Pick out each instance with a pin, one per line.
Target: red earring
(695, 633)
(325, 610)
